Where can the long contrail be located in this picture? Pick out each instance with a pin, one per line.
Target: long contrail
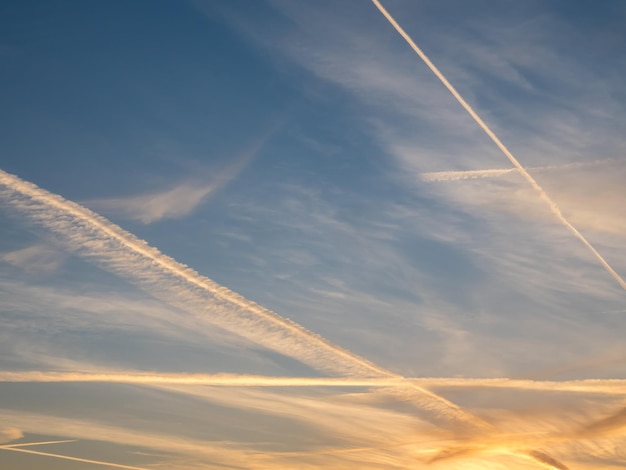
(29, 444)
(120, 252)
(75, 459)
(551, 204)
(439, 176)
(95, 237)
(600, 386)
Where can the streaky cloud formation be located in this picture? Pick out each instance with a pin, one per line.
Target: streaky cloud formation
(554, 208)
(181, 199)
(176, 202)
(10, 434)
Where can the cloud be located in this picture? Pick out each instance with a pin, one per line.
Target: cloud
(36, 259)
(10, 434)
(185, 197)
(173, 203)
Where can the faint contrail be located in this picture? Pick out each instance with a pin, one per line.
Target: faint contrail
(551, 204)
(28, 444)
(439, 176)
(601, 386)
(436, 176)
(120, 252)
(75, 459)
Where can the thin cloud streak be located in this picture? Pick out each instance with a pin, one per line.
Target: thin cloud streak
(28, 444)
(551, 204)
(182, 199)
(437, 176)
(600, 386)
(75, 459)
(99, 240)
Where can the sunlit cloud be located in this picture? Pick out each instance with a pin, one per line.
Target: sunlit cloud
(10, 434)
(176, 202)
(180, 200)
(35, 259)
(609, 386)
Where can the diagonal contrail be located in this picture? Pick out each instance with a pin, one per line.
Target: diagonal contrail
(108, 245)
(551, 204)
(75, 459)
(439, 176)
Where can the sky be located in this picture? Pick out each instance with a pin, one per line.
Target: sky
(280, 234)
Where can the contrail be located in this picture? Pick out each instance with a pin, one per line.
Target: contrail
(28, 444)
(75, 459)
(601, 386)
(95, 237)
(439, 176)
(108, 245)
(551, 204)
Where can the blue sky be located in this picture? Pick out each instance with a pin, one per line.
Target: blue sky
(179, 178)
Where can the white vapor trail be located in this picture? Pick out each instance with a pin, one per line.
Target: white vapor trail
(608, 386)
(98, 239)
(551, 204)
(75, 459)
(120, 252)
(29, 444)
(438, 176)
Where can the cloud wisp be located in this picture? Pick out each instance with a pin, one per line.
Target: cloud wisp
(183, 198)
(554, 208)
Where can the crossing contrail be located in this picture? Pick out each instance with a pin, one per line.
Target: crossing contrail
(75, 459)
(108, 245)
(550, 203)
(440, 176)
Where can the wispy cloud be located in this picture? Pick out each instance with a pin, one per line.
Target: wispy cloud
(180, 200)
(173, 203)
(42, 259)
(10, 434)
